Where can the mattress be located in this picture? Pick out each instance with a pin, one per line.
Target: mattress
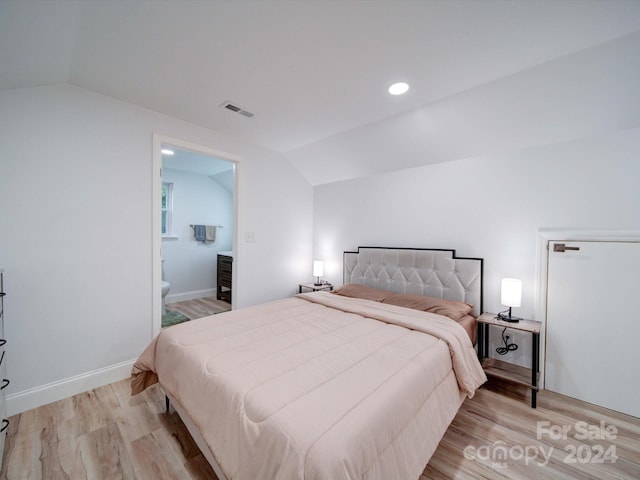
(317, 386)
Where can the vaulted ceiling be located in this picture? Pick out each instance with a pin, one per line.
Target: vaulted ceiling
(484, 75)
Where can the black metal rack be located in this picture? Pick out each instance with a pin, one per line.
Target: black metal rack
(4, 383)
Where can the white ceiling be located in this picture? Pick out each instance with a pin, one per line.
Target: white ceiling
(314, 73)
(188, 161)
(217, 169)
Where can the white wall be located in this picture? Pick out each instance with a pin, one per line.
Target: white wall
(490, 207)
(76, 239)
(190, 266)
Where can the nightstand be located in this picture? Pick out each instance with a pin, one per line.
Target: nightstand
(527, 377)
(314, 288)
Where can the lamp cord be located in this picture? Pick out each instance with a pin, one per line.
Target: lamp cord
(508, 347)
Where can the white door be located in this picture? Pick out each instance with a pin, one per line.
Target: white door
(593, 323)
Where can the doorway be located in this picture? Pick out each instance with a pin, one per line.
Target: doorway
(572, 299)
(194, 187)
(590, 318)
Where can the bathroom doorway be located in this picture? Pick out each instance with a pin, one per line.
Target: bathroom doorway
(195, 192)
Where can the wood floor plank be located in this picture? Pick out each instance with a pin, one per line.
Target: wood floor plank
(73, 457)
(22, 457)
(49, 437)
(90, 411)
(136, 421)
(155, 460)
(107, 434)
(200, 307)
(112, 455)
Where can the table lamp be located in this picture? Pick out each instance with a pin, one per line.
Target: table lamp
(510, 296)
(318, 271)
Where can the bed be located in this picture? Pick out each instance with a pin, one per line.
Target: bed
(328, 385)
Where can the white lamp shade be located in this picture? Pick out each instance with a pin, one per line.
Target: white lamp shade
(511, 292)
(318, 268)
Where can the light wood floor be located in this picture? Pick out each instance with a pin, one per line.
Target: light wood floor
(501, 413)
(107, 434)
(200, 307)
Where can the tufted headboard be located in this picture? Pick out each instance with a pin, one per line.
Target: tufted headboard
(428, 272)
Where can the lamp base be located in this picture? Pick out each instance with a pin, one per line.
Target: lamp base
(508, 318)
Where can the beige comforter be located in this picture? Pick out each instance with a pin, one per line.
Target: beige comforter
(317, 386)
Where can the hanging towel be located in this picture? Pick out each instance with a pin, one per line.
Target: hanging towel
(210, 233)
(199, 232)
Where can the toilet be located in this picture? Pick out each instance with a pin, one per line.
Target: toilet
(166, 286)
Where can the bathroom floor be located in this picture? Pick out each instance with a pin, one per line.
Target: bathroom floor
(200, 307)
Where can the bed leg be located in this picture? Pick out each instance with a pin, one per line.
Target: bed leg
(166, 403)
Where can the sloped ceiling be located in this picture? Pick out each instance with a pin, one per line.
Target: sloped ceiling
(218, 170)
(485, 75)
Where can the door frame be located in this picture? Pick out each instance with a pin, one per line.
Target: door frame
(156, 216)
(547, 235)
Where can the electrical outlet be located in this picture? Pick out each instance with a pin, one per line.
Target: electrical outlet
(249, 237)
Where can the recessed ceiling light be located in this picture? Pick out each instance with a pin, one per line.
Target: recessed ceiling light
(398, 88)
(166, 151)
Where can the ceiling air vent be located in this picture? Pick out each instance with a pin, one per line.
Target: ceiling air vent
(236, 108)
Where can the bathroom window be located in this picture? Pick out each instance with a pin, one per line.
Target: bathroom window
(167, 208)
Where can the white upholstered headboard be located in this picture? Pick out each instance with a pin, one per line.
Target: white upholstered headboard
(427, 272)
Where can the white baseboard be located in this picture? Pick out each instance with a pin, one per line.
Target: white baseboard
(183, 297)
(52, 392)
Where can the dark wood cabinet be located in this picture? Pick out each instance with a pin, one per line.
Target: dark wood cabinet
(225, 264)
